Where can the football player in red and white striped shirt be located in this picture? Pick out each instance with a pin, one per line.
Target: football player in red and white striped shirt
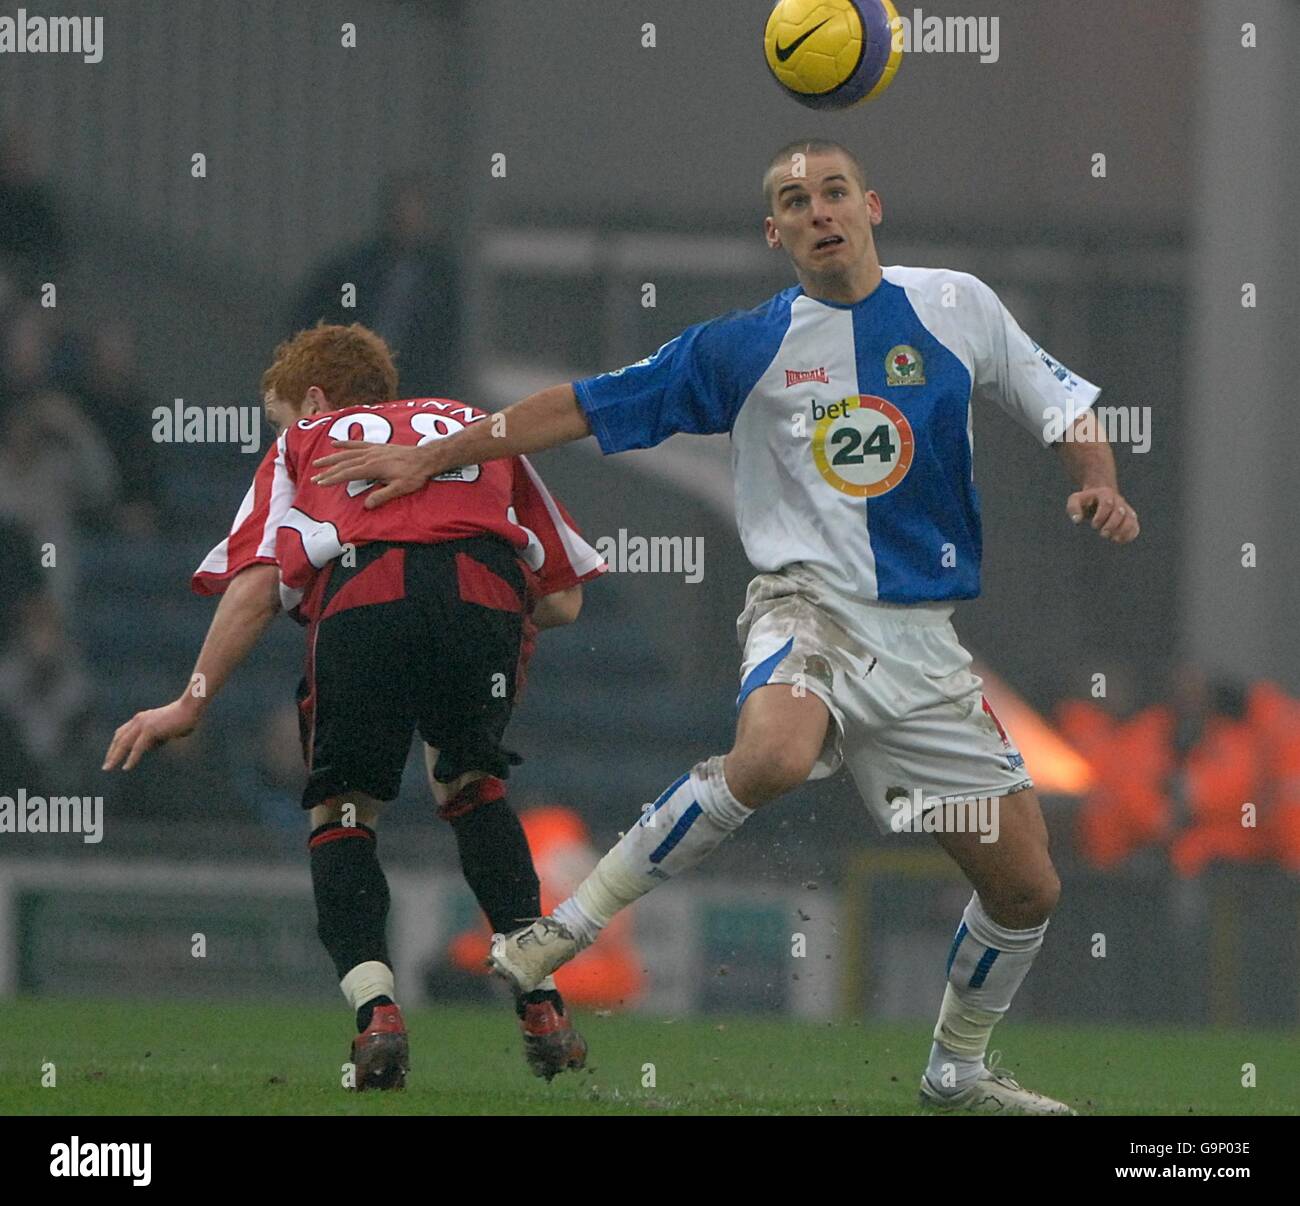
(419, 617)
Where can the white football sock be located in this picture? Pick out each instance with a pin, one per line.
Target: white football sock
(949, 1071)
(687, 823)
(570, 914)
(986, 965)
(367, 981)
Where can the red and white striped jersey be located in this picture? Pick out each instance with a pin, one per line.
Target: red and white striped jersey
(287, 520)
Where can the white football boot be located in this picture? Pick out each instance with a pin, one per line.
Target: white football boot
(526, 957)
(995, 1092)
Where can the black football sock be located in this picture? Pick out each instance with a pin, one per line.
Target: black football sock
(367, 1011)
(351, 895)
(536, 997)
(498, 865)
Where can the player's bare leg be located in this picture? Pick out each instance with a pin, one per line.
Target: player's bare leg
(498, 867)
(1001, 932)
(352, 909)
(778, 739)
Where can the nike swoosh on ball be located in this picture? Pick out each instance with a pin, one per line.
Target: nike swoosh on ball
(784, 52)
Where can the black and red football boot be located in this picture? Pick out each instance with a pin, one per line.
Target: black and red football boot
(381, 1054)
(551, 1044)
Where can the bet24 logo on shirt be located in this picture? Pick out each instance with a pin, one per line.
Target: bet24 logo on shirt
(863, 445)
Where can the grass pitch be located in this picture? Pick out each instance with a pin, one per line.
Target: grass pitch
(201, 1058)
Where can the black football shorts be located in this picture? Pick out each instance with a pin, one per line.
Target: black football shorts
(413, 638)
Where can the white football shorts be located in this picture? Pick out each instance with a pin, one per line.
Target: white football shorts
(911, 721)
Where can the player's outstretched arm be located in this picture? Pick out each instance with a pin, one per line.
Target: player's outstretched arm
(1090, 462)
(247, 607)
(542, 420)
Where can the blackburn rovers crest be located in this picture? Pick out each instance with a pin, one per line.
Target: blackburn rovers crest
(904, 366)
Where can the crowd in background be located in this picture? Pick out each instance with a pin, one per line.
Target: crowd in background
(76, 460)
(1208, 773)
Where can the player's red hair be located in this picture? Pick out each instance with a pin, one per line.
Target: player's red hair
(352, 365)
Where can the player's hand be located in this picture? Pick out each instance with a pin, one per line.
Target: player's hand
(147, 730)
(404, 468)
(1112, 517)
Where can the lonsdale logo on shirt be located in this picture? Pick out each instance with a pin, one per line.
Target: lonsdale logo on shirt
(904, 366)
(799, 376)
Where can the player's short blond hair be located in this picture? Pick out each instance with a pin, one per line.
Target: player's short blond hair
(351, 365)
(808, 146)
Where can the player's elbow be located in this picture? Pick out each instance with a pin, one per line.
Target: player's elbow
(568, 605)
(559, 609)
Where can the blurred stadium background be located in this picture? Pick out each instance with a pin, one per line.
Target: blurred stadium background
(626, 165)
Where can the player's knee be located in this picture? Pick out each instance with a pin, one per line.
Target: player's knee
(793, 763)
(352, 809)
(1049, 894)
(1033, 901)
(755, 777)
(468, 793)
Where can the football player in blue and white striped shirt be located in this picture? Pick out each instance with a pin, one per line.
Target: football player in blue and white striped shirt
(850, 399)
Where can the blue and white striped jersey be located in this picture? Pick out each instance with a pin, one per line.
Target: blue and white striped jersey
(851, 425)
